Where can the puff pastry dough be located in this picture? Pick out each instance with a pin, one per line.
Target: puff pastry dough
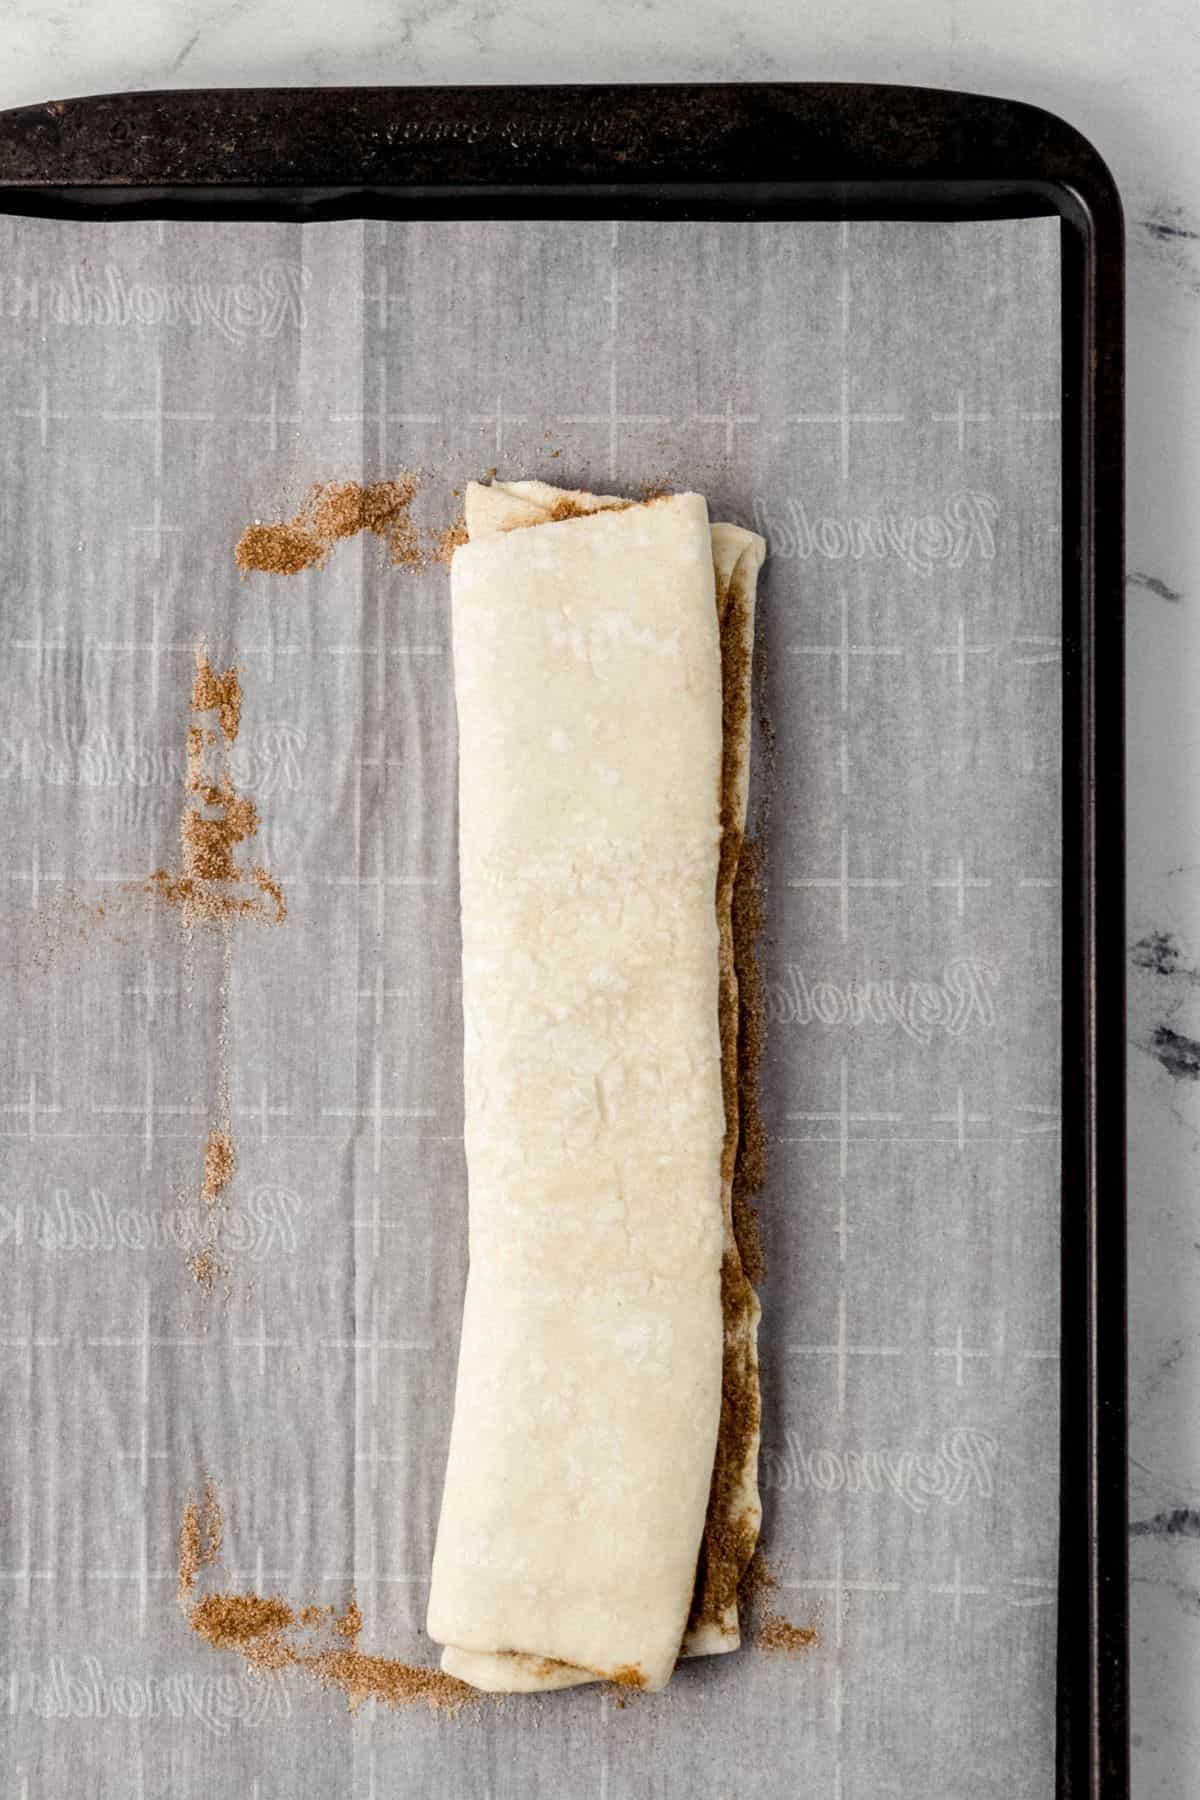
(588, 679)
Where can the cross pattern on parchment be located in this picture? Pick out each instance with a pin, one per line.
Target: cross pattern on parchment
(960, 884)
(155, 647)
(144, 1342)
(841, 1350)
(373, 1345)
(841, 1587)
(960, 418)
(376, 1224)
(142, 1575)
(958, 1590)
(844, 418)
(844, 1117)
(381, 416)
(157, 529)
(271, 650)
(844, 651)
(30, 1343)
(730, 419)
(151, 990)
(377, 1112)
(844, 884)
(30, 1109)
(158, 417)
(960, 1118)
(261, 1342)
(150, 1109)
(498, 419)
(43, 413)
(960, 650)
(272, 419)
(263, 1110)
(960, 1355)
(24, 1576)
(614, 418)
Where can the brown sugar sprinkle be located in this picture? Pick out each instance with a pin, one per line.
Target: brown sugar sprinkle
(219, 1164)
(362, 1677)
(779, 1635)
(772, 1632)
(221, 694)
(267, 1632)
(757, 1580)
(209, 843)
(730, 1534)
(449, 540)
(200, 1538)
(731, 1526)
(750, 1171)
(351, 1622)
(198, 899)
(331, 511)
(204, 1268)
(210, 884)
(280, 549)
(568, 508)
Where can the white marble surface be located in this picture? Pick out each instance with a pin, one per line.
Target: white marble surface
(1129, 77)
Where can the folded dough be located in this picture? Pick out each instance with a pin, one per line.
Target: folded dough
(596, 974)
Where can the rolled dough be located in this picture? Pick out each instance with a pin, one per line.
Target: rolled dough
(588, 680)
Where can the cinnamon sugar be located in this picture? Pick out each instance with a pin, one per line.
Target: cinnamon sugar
(221, 694)
(204, 1268)
(219, 1164)
(274, 1638)
(732, 1518)
(750, 1170)
(198, 899)
(772, 1632)
(251, 1624)
(448, 541)
(212, 886)
(201, 1535)
(331, 511)
(279, 549)
(216, 819)
(781, 1636)
(382, 1678)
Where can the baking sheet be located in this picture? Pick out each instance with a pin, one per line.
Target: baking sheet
(882, 400)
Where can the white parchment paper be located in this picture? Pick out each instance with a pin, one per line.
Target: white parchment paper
(882, 401)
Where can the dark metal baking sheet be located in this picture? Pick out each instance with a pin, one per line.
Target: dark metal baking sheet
(775, 152)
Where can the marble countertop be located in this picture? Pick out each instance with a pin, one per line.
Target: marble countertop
(1129, 78)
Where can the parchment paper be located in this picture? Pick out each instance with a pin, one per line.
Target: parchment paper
(882, 400)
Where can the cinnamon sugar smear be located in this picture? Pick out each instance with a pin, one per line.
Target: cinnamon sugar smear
(274, 1638)
(732, 1523)
(213, 885)
(772, 1632)
(331, 511)
(211, 882)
